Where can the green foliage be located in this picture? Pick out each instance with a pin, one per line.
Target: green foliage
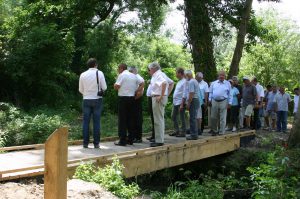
(278, 178)
(110, 177)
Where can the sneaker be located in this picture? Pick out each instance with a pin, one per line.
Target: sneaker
(234, 129)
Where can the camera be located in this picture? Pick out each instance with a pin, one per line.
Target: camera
(100, 93)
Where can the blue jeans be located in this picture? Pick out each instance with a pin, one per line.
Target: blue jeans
(91, 107)
(282, 120)
(193, 117)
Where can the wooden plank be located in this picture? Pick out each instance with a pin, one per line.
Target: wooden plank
(171, 154)
(56, 157)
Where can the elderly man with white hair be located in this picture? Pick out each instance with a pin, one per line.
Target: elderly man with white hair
(204, 89)
(193, 104)
(161, 87)
(220, 99)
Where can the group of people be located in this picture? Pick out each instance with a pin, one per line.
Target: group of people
(227, 104)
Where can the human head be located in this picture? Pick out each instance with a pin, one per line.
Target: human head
(269, 87)
(235, 80)
(180, 73)
(274, 89)
(122, 67)
(246, 80)
(153, 67)
(222, 75)
(199, 76)
(188, 74)
(281, 89)
(133, 70)
(231, 82)
(296, 91)
(254, 80)
(92, 63)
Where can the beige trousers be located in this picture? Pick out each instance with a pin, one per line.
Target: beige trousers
(159, 119)
(218, 113)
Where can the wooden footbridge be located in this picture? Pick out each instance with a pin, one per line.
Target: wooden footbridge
(28, 161)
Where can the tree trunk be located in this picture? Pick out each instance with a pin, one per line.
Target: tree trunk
(200, 38)
(238, 52)
(77, 63)
(294, 138)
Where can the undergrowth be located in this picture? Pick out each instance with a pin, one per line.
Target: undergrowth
(110, 177)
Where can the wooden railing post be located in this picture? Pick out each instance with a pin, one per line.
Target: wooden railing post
(56, 157)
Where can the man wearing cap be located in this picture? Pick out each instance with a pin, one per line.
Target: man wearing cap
(138, 116)
(161, 87)
(178, 103)
(220, 99)
(193, 104)
(204, 93)
(249, 100)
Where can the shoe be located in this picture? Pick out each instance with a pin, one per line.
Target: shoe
(149, 138)
(214, 133)
(191, 138)
(180, 135)
(119, 143)
(173, 134)
(96, 146)
(155, 144)
(187, 131)
(137, 141)
(129, 142)
(234, 129)
(152, 140)
(200, 132)
(86, 146)
(228, 129)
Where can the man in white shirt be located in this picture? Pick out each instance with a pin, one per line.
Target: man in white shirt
(161, 87)
(296, 102)
(258, 110)
(91, 85)
(205, 92)
(177, 102)
(127, 85)
(138, 116)
(220, 99)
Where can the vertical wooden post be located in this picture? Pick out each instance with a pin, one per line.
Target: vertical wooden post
(56, 158)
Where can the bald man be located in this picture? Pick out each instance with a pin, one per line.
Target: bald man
(220, 99)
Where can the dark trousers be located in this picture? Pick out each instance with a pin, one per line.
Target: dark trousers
(203, 117)
(234, 115)
(91, 107)
(256, 119)
(282, 120)
(138, 119)
(175, 112)
(126, 119)
(151, 114)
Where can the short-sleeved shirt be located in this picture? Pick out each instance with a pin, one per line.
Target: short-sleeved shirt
(158, 78)
(260, 91)
(249, 95)
(128, 83)
(194, 87)
(203, 88)
(234, 92)
(282, 101)
(270, 103)
(179, 92)
(296, 103)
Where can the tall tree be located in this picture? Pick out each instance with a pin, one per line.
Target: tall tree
(200, 37)
(294, 138)
(242, 31)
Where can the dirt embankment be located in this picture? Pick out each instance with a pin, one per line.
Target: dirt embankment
(77, 189)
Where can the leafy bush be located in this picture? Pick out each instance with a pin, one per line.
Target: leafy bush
(279, 177)
(110, 177)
